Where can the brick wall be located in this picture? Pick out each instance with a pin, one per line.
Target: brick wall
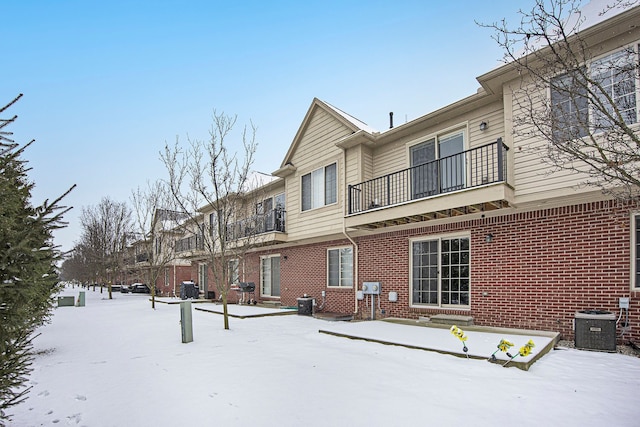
(540, 268)
(177, 274)
(303, 270)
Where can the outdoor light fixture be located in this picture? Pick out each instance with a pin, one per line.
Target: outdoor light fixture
(483, 126)
(488, 238)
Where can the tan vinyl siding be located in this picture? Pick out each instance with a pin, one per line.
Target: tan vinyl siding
(494, 117)
(367, 164)
(316, 149)
(359, 164)
(394, 156)
(533, 178)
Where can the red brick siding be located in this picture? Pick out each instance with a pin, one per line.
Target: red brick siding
(539, 270)
(303, 270)
(177, 274)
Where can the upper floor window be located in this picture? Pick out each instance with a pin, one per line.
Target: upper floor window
(616, 76)
(158, 245)
(319, 188)
(570, 106)
(613, 87)
(213, 224)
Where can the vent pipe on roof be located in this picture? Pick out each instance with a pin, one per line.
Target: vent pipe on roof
(391, 120)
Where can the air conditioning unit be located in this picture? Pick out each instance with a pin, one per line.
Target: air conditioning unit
(305, 306)
(595, 330)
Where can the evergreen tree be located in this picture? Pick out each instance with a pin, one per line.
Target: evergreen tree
(28, 277)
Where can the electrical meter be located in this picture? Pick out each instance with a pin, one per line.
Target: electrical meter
(371, 288)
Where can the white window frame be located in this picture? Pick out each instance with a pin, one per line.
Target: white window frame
(439, 238)
(235, 272)
(569, 128)
(611, 55)
(213, 224)
(590, 66)
(263, 284)
(341, 277)
(318, 191)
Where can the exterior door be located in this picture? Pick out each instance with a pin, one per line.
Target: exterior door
(270, 276)
(437, 165)
(424, 170)
(450, 149)
(279, 212)
(267, 211)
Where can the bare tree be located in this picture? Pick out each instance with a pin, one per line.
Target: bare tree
(157, 221)
(105, 230)
(76, 266)
(209, 177)
(582, 105)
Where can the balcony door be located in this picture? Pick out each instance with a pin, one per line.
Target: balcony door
(424, 169)
(450, 153)
(437, 165)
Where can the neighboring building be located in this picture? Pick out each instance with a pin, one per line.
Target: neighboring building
(450, 213)
(157, 251)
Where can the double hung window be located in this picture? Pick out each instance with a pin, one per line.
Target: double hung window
(340, 267)
(319, 188)
(596, 97)
(570, 106)
(616, 76)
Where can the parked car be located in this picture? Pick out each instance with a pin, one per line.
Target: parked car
(116, 288)
(124, 289)
(140, 288)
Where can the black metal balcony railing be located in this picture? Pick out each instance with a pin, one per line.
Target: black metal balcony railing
(471, 168)
(273, 220)
(191, 243)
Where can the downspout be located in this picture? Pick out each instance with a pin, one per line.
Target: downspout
(355, 245)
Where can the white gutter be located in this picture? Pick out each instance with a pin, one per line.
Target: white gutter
(355, 245)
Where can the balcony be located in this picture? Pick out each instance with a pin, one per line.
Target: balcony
(258, 226)
(468, 182)
(190, 244)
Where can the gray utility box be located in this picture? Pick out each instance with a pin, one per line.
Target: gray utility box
(186, 321)
(305, 306)
(595, 330)
(66, 301)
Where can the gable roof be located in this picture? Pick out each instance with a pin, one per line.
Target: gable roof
(347, 120)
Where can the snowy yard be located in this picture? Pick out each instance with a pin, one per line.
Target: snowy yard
(120, 363)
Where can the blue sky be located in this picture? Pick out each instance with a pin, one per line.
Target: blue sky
(106, 84)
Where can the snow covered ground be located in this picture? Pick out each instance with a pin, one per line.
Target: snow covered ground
(120, 363)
